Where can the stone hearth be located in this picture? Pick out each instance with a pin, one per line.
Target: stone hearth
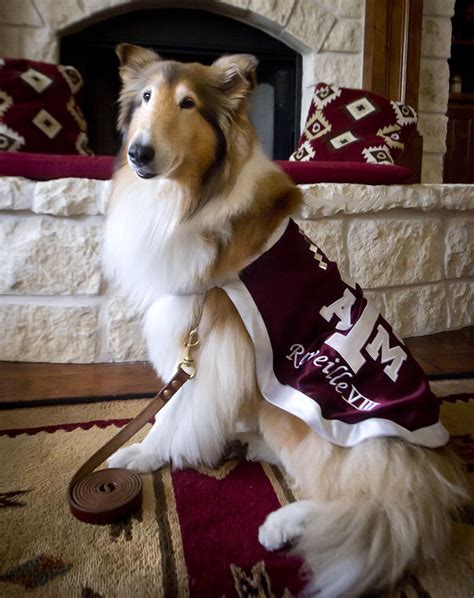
(410, 246)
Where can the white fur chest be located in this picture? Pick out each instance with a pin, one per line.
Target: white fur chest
(147, 251)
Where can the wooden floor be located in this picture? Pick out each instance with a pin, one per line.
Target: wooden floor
(40, 383)
(445, 353)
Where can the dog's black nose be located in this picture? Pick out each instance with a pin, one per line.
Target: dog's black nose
(141, 155)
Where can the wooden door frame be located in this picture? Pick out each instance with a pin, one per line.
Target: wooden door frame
(392, 56)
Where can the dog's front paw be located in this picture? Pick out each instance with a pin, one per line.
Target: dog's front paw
(285, 526)
(272, 535)
(136, 458)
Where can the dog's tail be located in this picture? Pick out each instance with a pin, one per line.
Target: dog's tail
(368, 541)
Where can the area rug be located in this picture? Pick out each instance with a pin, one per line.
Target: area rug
(196, 533)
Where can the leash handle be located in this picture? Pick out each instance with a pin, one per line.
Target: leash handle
(107, 495)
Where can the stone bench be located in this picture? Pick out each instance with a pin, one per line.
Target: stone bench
(409, 246)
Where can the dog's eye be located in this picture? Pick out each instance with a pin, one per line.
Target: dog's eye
(146, 96)
(186, 103)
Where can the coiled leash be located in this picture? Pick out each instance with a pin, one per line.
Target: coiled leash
(107, 495)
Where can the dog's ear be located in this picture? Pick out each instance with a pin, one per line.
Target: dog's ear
(133, 58)
(237, 75)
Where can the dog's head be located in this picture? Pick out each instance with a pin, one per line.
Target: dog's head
(176, 116)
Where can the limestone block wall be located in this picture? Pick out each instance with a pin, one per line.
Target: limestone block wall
(409, 246)
(329, 34)
(434, 85)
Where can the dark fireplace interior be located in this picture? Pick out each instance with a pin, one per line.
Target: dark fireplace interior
(192, 36)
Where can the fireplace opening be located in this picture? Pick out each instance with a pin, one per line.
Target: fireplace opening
(187, 35)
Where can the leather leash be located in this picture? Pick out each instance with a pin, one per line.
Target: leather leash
(108, 495)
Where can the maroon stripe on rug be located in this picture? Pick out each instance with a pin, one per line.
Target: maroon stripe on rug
(464, 396)
(219, 522)
(69, 427)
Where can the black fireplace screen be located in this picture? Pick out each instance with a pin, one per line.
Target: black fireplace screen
(191, 36)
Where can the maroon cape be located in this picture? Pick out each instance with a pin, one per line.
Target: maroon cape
(325, 354)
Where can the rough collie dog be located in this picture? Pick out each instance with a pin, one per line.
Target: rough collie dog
(195, 203)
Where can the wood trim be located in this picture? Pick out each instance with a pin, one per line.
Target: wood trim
(412, 157)
(53, 381)
(392, 48)
(392, 55)
(460, 144)
(413, 33)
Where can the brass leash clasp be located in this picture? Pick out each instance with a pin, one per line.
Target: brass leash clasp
(187, 362)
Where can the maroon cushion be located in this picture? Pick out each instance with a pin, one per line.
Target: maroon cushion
(355, 126)
(345, 172)
(44, 167)
(39, 110)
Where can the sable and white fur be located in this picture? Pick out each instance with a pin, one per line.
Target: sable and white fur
(205, 205)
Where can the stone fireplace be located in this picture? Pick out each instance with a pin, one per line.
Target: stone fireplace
(54, 304)
(172, 33)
